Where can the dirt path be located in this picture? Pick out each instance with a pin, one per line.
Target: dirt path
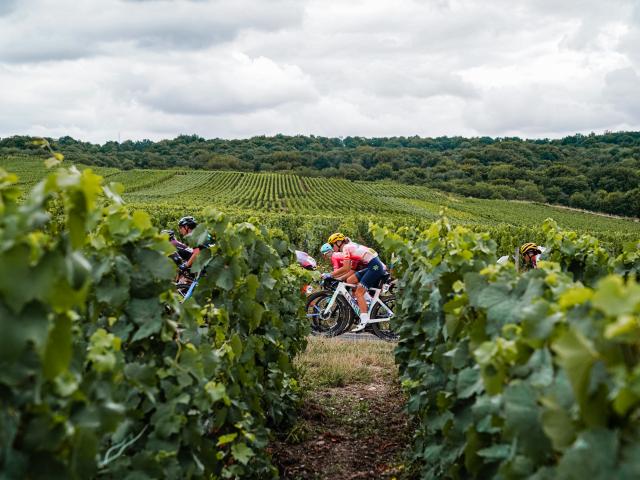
(355, 431)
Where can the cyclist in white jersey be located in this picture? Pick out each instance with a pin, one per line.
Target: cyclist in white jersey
(369, 277)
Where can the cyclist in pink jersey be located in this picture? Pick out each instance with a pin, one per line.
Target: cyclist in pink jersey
(337, 260)
(372, 270)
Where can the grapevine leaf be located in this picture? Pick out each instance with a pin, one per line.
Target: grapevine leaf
(496, 452)
(58, 350)
(224, 279)
(469, 383)
(614, 298)
(576, 356)
(228, 438)
(592, 455)
(242, 452)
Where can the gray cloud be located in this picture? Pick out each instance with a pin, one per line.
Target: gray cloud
(70, 29)
(622, 89)
(7, 6)
(157, 68)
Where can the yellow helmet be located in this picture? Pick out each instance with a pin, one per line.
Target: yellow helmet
(336, 237)
(527, 247)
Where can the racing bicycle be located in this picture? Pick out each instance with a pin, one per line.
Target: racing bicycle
(334, 309)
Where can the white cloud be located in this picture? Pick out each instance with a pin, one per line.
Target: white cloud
(236, 68)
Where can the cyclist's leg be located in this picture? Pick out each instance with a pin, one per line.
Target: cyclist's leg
(370, 277)
(363, 286)
(359, 291)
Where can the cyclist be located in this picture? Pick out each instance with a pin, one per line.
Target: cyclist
(180, 256)
(529, 253)
(337, 258)
(183, 252)
(372, 271)
(186, 226)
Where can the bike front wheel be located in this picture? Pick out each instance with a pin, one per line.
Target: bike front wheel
(327, 323)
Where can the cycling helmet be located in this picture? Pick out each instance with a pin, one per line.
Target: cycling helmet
(528, 247)
(336, 237)
(188, 222)
(326, 248)
(170, 233)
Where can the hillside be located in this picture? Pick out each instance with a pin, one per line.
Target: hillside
(593, 172)
(176, 191)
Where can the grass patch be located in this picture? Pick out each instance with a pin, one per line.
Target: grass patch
(352, 421)
(338, 363)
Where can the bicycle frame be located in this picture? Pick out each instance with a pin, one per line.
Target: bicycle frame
(343, 290)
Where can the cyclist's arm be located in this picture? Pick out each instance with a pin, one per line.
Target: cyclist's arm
(343, 270)
(195, 253)
(344, 276)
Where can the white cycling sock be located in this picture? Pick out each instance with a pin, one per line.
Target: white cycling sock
(364, 317)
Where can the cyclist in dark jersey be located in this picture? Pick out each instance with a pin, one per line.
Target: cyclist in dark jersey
(186, 226)
(183, 252)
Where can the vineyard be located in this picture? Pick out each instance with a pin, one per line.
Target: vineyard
(106, 374)
(519, 375)
(308, 208)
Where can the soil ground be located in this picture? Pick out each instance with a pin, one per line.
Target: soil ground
(352, 422)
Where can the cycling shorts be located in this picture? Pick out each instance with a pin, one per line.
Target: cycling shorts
(370, 277)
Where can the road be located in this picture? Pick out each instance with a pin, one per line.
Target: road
(358, 337)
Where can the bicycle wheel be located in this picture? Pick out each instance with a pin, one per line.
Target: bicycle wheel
(383, 330)
(331, 323)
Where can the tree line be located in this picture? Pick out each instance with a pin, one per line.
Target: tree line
(594, 172)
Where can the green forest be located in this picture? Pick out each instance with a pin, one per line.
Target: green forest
(593, 172)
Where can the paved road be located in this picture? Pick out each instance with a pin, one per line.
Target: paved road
(358, 337)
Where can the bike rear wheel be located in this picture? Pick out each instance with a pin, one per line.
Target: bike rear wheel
(328, 324)
(383, 330)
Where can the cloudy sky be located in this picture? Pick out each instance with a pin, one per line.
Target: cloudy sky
(102, 69)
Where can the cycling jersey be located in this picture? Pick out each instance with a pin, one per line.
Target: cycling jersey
(337, 260)
(358, 253)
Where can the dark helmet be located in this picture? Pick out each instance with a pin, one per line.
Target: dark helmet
(189, 222)
(170, 233)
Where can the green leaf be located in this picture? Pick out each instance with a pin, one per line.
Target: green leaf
(496, 452)
(83, 457)
(18, 330)
(242, 453)
(216, 391)
(575, 296)
(145, 310)
(58, 351)
(236, 345)
(624, 326)
(469, 383)
(224, 439)
(101, 350)
(521, 416)
(474, 284)
(593, 455)
(151, 327)
(557, 425)
(576, 356)
(224, 279)
(615, 298)
(141, 220)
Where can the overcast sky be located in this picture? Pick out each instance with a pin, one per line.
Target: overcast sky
(100, 69)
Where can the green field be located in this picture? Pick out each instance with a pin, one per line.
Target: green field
(178, 191)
